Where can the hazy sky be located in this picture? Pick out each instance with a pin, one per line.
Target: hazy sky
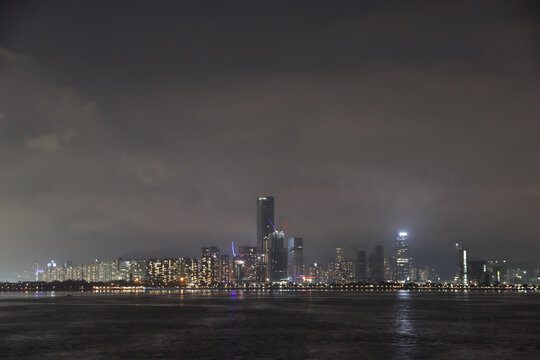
(149, 128)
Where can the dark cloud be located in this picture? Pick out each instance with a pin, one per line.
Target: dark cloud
(151, 128)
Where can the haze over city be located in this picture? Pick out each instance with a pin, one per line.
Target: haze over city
(145, 131)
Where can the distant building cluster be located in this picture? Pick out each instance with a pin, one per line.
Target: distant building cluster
(276, 259)
(490, 272)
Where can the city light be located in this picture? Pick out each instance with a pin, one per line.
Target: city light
(276, 260)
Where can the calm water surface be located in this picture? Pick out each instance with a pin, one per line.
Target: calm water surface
(272, 325)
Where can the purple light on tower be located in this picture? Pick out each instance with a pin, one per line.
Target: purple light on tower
(272, 224)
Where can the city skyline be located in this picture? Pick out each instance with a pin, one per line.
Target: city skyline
(250, 179)
(249, 268)
(396, 267)
(278, 259)
(148, 130)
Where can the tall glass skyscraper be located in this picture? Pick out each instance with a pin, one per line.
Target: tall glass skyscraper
(462, 265)
(265, 211)
(276, 257)
(360, 266)
(296, 259)
(402, 262)
(376, 265)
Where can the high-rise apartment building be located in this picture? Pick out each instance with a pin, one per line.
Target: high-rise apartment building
(192, 272)
(225, 271)
(163, 271)
(210, 266)
(135, 270)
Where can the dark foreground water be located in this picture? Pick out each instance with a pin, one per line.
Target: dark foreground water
(272, 325)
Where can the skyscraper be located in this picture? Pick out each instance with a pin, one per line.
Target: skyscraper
(341, 271)
(339, 255)
(133, 270)
(477, 273)
(296, 259)
(210, 265)
(462, 265)
(361, 266)
(265, 218)
(315, 273)
(163, 271)
(376, 265)
(402, 266)
(276, 257)
(225, 269)
(248, 255)
(193, 270)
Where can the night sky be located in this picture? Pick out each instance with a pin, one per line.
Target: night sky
(149, 128)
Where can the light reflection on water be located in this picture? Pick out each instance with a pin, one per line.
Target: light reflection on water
(404, 325)
(271, 324)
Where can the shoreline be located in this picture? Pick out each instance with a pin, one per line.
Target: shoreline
(90, 288)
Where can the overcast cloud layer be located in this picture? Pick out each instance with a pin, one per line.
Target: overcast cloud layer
(150, 129)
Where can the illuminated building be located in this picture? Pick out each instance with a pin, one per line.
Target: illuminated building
(315, 273)
(205, 276)
(50, 273)
(248, 255)
(271, 253)
(56, 272)
(89, 271)
(239, 272)
(339, 255)
(340, 271)
(210, 265)
(191, 271)
(225, 271)
(265, 228)
(262, 264)
(107, 271)
(462, 274)
(135, 270)
(296, 259)
(70, 271)
(164, 271)
(497, 271)
(402, 269)
(63, 271)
